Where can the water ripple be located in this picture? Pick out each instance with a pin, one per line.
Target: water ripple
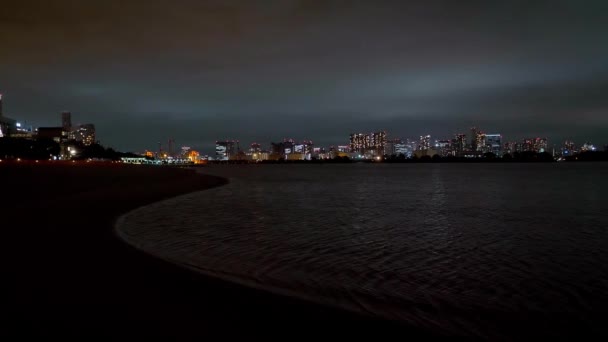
(461, 248)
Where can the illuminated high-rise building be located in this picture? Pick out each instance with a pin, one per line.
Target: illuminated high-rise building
(359, 142)
(569, 144)
(480, 142)
(493, 143)
(378, 141)
(402, 148)
(510, 147)
(537, 145)
(444, 147)
(371, 144)
(569, 148)
(85, 134)
(390, 147)
(255, 148)
(527, 145)
(424, 143)
(225, 150)
(460, 143)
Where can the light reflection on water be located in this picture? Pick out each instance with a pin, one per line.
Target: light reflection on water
(459, 247)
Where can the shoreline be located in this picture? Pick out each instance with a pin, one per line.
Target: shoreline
(70, 275)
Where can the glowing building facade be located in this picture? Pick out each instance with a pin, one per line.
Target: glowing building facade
(493, 143)
(225, 150)
(85, 134)
(371, 144)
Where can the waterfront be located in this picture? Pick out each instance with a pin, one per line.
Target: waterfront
(482, 250)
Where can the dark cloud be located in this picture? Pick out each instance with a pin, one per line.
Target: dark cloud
(200, 71)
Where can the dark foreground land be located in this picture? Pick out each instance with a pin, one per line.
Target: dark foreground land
(68, 275)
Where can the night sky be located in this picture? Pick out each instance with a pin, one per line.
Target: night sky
(200, 71)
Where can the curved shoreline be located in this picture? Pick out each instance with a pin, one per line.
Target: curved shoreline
(70, 276)
(359, 312)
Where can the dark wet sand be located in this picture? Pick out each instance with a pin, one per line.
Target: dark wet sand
(69, 275)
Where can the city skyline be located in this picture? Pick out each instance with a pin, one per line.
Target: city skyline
(360, 142)
(209, 69)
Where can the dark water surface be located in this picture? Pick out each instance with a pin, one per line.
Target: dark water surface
(472, 249)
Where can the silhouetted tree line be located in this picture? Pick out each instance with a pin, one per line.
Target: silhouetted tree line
(589, 156)
(43, 149)
(97, 151)
(13, 148)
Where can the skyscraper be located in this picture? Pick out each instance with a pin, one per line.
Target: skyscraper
(537, 145)
(389, 147)
(371, 144)
(494, 143)
(474, 133)
(225, 150)
(461, 143)
(444, 147)
(425, 142)
(378, 142)
(480, 142)
(401, 148)
(359, 142)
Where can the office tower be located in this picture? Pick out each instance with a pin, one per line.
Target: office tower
(480, 142)
(474, 133)
(493, 142)
(461, 143)
(401, 148)
(343, 148)
(225, 150)
(389, 147)
(537, 145)
(444, 147)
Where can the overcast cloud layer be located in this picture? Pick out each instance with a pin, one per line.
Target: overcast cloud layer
(200, 71)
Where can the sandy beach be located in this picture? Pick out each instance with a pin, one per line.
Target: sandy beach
(70, 276)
